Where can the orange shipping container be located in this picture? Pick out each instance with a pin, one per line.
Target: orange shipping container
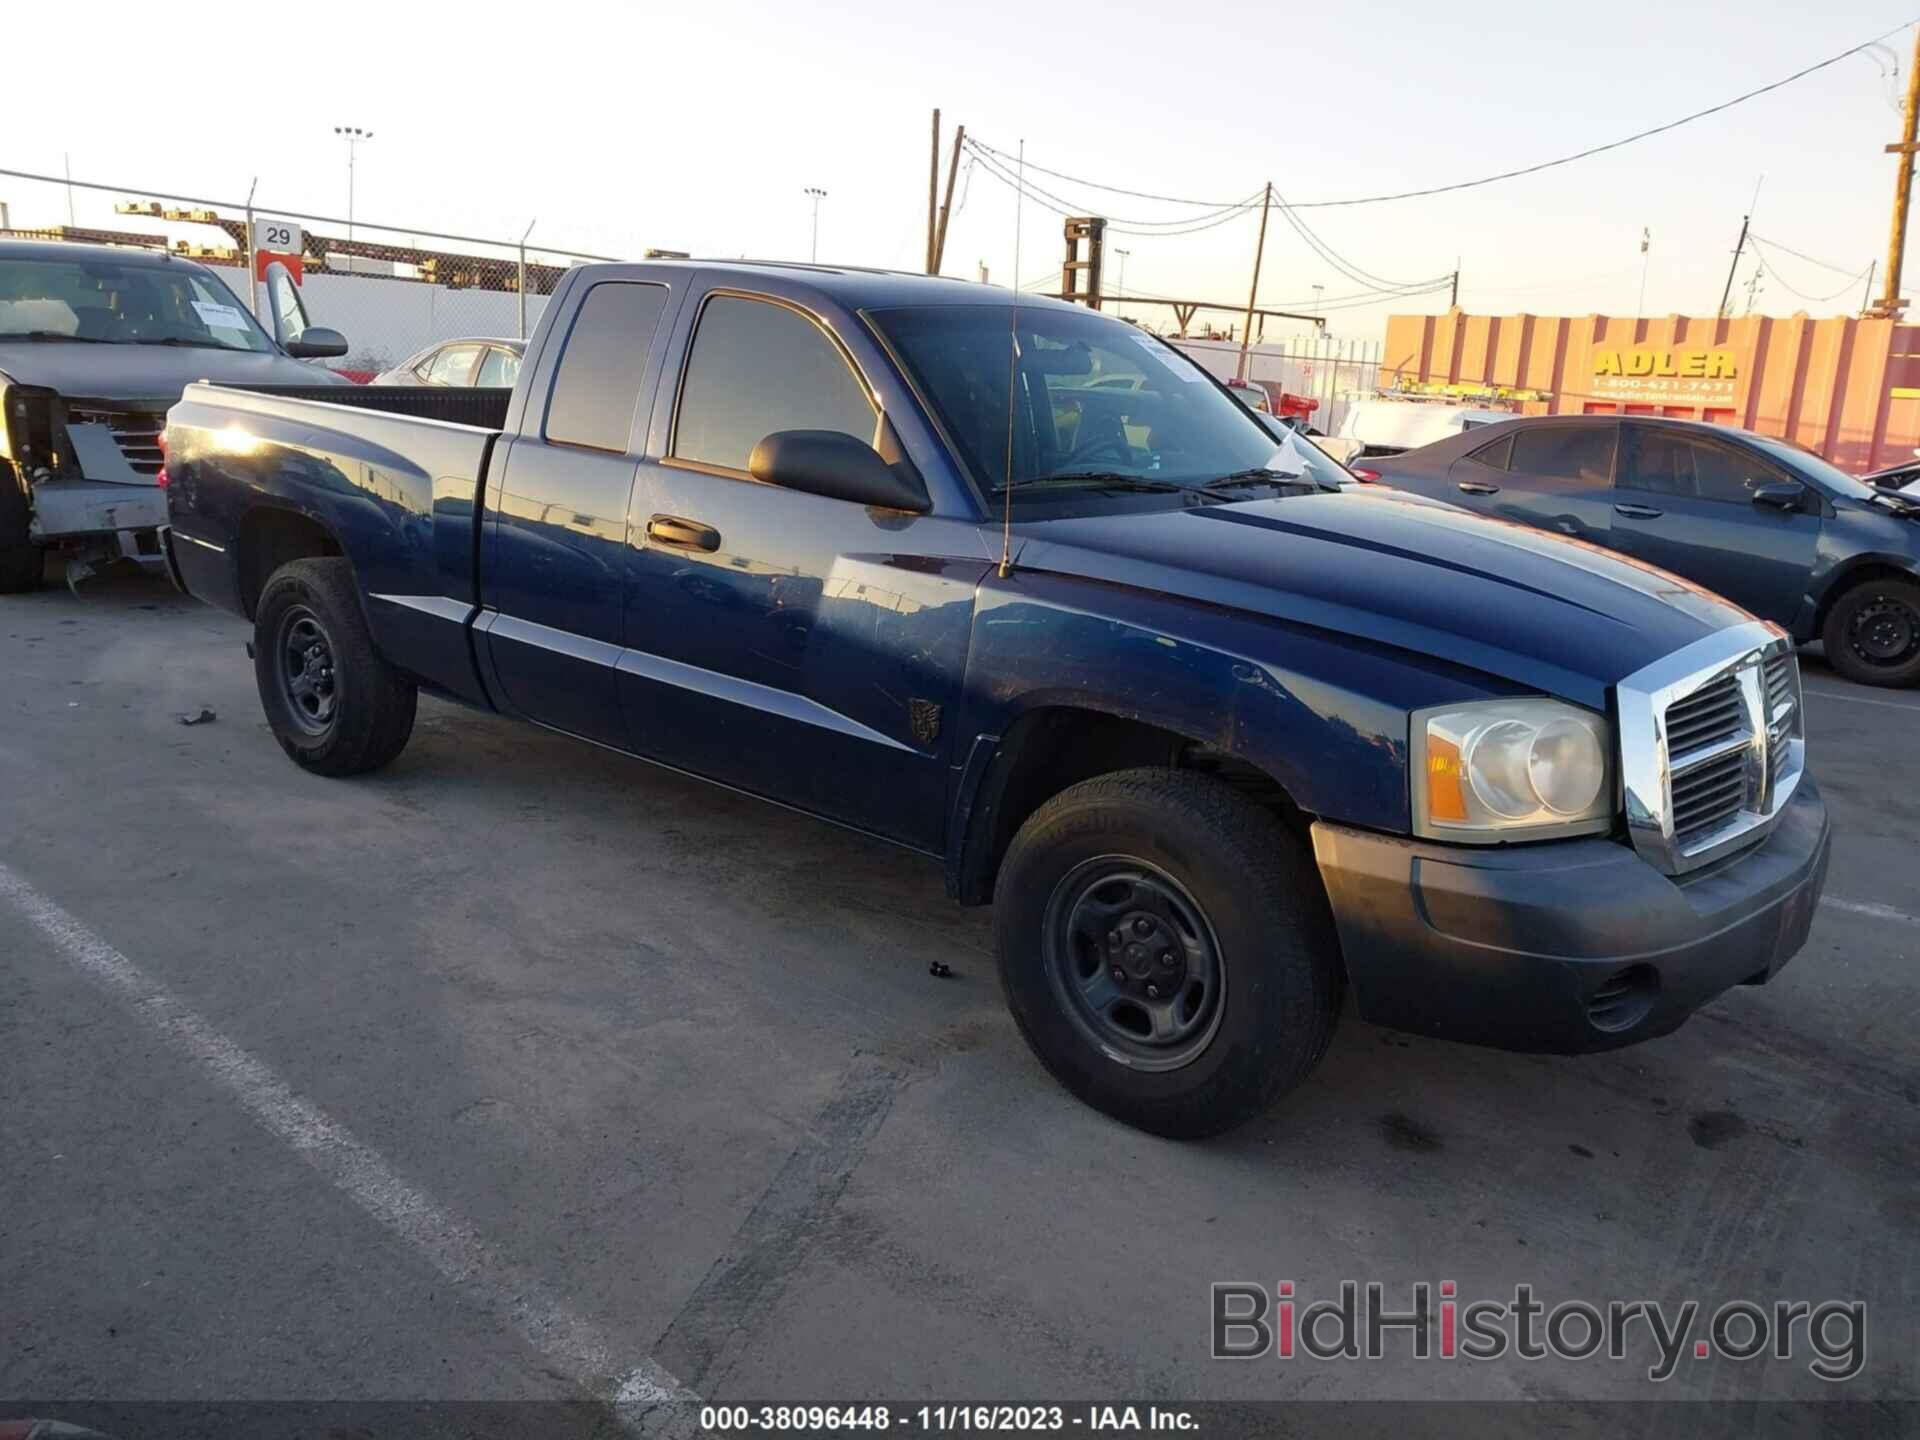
(1848, 389)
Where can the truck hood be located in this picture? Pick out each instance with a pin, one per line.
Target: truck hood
(145, 372)
(1559, 615)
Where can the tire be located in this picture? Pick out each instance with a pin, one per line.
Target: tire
(336, 707)
(20, 558)
(1872, 634)
(1179, 863)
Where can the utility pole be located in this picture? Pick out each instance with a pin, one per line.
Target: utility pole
(1318, 290)
(1890, 306)
(1740, 245)
(1453, 289)
(1646, 241)
(1120, 289)
(353, 135)
(946, 205)
(817, 195)
(1259, 250)
(933, 192)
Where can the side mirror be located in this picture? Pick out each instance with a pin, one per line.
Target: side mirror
(317, 342)
(826, 462)
(1779, 494)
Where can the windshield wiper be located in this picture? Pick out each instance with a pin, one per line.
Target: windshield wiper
(53, 335)
(1095, 480)
(1258, 475)
(191, 344)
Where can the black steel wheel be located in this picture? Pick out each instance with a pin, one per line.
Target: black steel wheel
(1167, 950)
(1872, 633)
(1134, 962)
(335, 705)
(303, 656)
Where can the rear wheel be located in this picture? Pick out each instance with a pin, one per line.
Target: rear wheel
(1166, 948)
(336, 707)
(20, 558)
(1872, 634)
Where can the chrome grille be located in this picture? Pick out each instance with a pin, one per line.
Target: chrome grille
(1709, 795)
(1711, 714)
(1710, 745)
(136, 432)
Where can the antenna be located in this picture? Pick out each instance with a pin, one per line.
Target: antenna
(1013, 371)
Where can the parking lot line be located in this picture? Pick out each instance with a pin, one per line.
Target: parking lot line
(1870, 908)
(1826, 694)
(572, 1344)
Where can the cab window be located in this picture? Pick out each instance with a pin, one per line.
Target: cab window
(598, 383)
(758, 367)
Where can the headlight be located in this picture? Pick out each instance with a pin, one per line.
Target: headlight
(1510, 770)
(6, 448)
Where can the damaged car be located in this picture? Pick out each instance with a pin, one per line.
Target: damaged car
(96, 342)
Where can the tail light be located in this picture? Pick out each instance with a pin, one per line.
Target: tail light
(1364, 475)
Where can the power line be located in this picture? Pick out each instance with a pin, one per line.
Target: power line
(1823, 264)
(1852, 280)
(1534, 169)
(1061, 205)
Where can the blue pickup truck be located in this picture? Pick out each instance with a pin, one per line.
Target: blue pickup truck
(1022, 589)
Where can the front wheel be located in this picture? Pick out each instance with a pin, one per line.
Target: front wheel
(1167, 950)
(336, 707)
(20, 559)
(1872, 634)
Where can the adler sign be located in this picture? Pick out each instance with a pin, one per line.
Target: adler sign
(1699, 376)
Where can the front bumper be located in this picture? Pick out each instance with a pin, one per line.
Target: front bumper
(1569, 946)
(67, 508)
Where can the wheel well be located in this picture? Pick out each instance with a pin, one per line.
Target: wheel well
(1046, 751)
(269, 539)
(1851, 579)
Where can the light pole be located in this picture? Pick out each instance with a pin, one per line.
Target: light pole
(1316, 298)
(817, 195)
(1120, 291)
(353, 135)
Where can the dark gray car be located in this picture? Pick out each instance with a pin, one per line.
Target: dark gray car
(1770, 526)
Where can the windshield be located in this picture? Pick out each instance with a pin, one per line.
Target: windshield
(1810, 466)
(122, 303)
(1098, 405)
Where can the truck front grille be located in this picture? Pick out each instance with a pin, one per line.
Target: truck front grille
(1711, 745)
(136, 432)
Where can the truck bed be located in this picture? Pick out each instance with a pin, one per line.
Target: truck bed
(387, 471)
(484, 407)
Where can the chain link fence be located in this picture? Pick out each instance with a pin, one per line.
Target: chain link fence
(1322, 368)
(391, 290)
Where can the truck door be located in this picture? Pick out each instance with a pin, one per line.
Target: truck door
(1685, 503)
(552, 579)
(800, 647)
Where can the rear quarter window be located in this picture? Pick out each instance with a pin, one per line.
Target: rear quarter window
(598, 382)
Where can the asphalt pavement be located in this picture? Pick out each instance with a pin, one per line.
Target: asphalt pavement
(525, 1071)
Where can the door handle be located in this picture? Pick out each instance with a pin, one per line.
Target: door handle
(1474, 487)
(1638, 512)
(682, 534)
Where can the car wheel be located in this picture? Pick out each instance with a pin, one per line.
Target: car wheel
(1872, 634)
(1166, 949)
(20, 558)
(336, 707)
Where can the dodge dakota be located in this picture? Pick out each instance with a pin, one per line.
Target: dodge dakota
(1021, 588)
